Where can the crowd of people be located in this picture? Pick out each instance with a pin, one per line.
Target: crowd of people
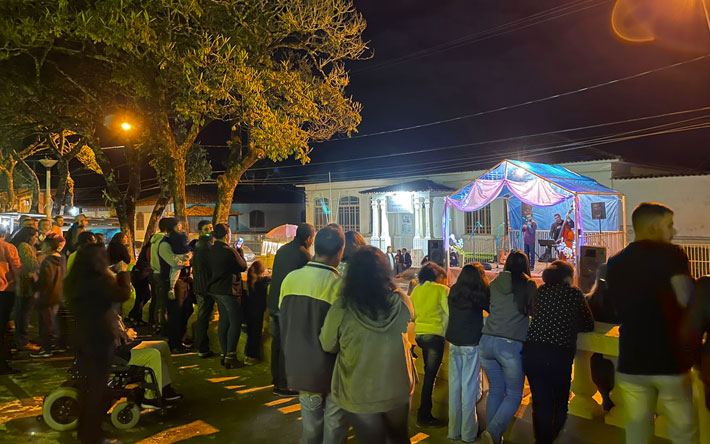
(344, 334)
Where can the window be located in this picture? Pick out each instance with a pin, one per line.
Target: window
(256, 219)
(321, 210)
(482, 217)
(140, 221)
(349, 213)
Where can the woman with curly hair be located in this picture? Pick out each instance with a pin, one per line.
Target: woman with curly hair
(374, 374)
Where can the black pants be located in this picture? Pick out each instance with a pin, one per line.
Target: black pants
(602, 370)
(142, 287)
(549, 371)
(49, 331)
(254, 316)
(157, 304)
(205, 308)
(389, 427)
(94, 364)
(7, 301)
(433, 350)
(278, 362)
(179, 311)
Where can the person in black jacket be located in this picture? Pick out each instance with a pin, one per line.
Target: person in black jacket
(51, 273)
(91, 292)
(140, 278)
(254, 306)
(226, 267)
(201, 278)
(406, 259)
(290, 257)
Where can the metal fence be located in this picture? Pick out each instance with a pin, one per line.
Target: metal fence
(699, 256)
(612, 240)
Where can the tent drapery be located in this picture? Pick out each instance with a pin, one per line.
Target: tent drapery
(538, 185)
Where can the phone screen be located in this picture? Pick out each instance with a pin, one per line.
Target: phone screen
(240, 242)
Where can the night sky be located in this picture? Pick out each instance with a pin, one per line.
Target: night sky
(472, 69)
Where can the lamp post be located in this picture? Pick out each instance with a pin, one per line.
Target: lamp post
(48, 164)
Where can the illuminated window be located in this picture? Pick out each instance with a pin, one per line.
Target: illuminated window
(349, 213)
(256, 219)
(320, 218)
(140, 221)
(482, 217)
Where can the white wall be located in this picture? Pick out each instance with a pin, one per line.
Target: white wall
(275, 214)
(688, 196)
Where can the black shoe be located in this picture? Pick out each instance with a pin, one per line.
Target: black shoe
(232, 362)
(8, 371)
(151, 404)
(169, 394)
(60, 349)
(205, 355)
(430, 422)
(179, 350)
(285, 393)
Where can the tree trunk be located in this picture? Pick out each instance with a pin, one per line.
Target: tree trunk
(158, 210)
(130, 198)
(11, 195)
(239, 162)
(61, 195)
(34, 185)
(177, 188)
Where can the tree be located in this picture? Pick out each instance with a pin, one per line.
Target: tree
(12, 162)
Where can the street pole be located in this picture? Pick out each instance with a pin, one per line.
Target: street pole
(48, 164)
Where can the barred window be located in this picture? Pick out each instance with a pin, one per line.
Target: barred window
(482, 217)
(349, 213)
(256, 219)
(320, 218)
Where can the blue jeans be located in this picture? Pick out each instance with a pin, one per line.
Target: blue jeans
(230, 322)
(502, 361)
(464, 392)
(530, 252)
(324, 422)
(23, 311)
(433, 352)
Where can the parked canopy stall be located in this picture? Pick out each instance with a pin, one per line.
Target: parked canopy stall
(550, 189)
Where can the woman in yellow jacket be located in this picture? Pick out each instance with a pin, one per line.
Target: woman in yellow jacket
(430, 300)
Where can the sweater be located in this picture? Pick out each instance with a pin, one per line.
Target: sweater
(28, 273)
(374, 371)
(154, 255)
(505, 320)
(431, 308)
(306, 297)
(226, 267)
(10, 266)
(466, 324)
(290, 257)
(559, 313)
(51, 275)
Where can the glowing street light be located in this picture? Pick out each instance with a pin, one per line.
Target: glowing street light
(125, 126)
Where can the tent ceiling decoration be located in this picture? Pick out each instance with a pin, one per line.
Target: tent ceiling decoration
(549, 188)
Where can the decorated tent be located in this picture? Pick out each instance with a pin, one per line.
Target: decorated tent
(549, 189)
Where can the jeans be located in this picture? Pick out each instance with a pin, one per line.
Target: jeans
(230, 322)
(7, 300)
(158, 303)
(391, 427)
(23, 311)
(464, 392)
(323, 421)
(530, 252)
(502, 361)
(205, 307)
(672, 393)
(433, 350)
(549, 371)
(602, 371)
(49, 330)
(278, 363)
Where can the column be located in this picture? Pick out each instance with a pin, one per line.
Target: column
(428, 217)
(385, 236)
(375, 239)
(417, 218)
(583, 403)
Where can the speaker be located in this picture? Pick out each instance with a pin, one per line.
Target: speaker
(598, 211)
(436, 251)
(591, 258)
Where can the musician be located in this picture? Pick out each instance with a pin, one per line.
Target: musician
(556, 228)
(566, 241)
(529, 230)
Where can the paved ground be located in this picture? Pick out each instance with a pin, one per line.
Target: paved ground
(220, 406)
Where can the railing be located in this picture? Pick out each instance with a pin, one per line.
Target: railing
(699, 256)
(612, 240)
(479, 249)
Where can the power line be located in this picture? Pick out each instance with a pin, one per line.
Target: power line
(529, 102)
(506, 28)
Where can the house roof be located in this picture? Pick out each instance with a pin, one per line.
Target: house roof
(205, 211)
(412, 186)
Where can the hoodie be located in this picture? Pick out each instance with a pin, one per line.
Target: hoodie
(51, 276)
(154, 256)
(374, 371)
(504, 319)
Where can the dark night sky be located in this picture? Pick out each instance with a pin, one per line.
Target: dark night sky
(528, 63)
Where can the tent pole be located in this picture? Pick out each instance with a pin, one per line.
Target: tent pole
(623, 213)
(446, 235)
(579, 232)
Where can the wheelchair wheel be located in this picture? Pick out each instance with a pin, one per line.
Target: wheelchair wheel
(125, 415)
(60, 409)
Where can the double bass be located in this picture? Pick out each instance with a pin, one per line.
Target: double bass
(565, 243)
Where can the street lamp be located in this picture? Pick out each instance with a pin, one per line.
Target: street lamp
(125, 126)
(48, 164)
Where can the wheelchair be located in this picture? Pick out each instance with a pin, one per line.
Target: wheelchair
(60, 408)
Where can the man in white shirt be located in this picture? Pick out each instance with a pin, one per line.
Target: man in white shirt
(390, 258)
